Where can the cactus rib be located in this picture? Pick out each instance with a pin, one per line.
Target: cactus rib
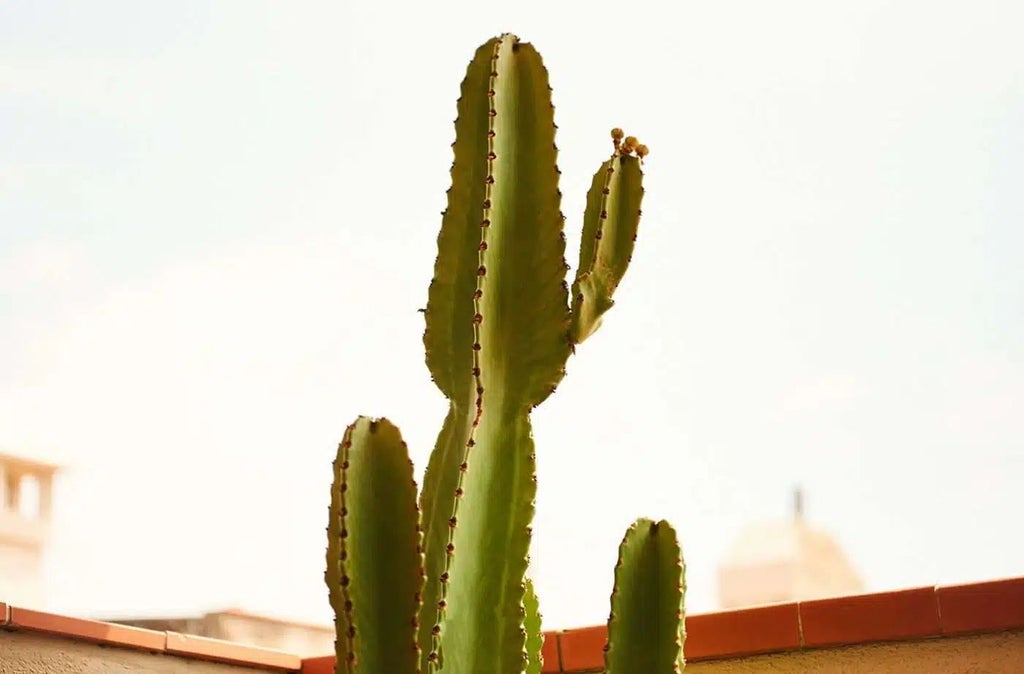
(646, 627)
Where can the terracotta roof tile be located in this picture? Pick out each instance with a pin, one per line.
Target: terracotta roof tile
(230, 652)
(746, 631)
(885, 616)
(582, 649)
(982, 607)
(325, 664)
(88, 630)
(320, 665)
(552, 662)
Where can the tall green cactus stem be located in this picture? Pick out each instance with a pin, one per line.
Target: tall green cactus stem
(534, 630)
(496, 345)
(646, 628)
(498, 334)
(374, 557)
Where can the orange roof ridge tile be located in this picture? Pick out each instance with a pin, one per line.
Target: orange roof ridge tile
(910, 614)
(322, 664)
(230, 652)
(86, 630)
(866, 618)
(991, 606)
(138, 638)
(901, 615)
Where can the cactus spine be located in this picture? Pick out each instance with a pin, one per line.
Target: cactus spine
(499, 330)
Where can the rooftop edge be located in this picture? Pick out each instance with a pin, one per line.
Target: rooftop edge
(901, 615)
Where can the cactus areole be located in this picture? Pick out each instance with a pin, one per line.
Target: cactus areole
(440, 586)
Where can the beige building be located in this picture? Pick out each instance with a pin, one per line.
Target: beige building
(784, 561)
(26, 501)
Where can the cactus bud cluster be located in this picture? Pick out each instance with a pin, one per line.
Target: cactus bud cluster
(628, 145)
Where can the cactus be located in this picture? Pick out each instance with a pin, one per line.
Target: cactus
(499, 329)
(374, 561)
(646, 626)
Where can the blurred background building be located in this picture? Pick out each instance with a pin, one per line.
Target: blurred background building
(784, 561)
(26, 502)
(26, 505)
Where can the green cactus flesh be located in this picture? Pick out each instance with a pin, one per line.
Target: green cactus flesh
(374, 560)
(610, 224)
(534, 630)
(646, 628)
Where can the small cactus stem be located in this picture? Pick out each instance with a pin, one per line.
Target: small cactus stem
(375, 597)
(646, 625)
(434, 660)
(610, 223)
(578, 300)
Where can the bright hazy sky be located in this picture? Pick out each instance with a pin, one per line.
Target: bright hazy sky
(218, 219)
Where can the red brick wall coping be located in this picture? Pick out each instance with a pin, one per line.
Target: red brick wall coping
(917, 613)
(169, 643)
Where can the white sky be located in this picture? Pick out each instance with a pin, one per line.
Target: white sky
(217, 221)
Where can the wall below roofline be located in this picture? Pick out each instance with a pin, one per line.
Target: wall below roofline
(989, 653)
